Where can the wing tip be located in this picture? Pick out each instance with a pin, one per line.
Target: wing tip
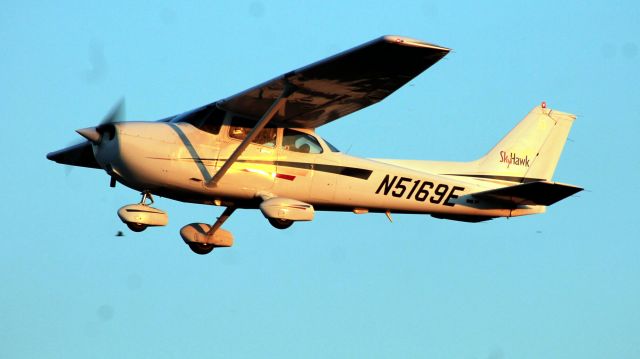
(404, 40)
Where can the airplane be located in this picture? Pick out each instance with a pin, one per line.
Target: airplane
(259, 149)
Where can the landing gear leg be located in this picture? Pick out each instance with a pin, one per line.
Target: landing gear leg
(141, 215)
(146, 195)
(202, 238)
(223, 218)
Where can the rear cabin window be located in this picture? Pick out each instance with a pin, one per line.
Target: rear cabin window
(208, 118)
(240, 128)
(296, 141)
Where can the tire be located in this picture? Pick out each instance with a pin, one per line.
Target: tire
(136, 227)
(281, 223)
(201, 248)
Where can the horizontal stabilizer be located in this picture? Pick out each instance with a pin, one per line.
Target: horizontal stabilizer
(462, 217)
(532, 193)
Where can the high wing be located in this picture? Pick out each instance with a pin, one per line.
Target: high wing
(338, 85)
(321, 92)
(535, 193)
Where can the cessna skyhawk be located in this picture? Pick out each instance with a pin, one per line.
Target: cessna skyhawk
(258, 149)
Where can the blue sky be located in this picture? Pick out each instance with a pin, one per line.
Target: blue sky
(559, 285)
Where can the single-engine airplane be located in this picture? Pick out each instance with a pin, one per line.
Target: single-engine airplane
(258, 149)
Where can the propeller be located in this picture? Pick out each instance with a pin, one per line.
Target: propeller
(84, 154)
(116, 115)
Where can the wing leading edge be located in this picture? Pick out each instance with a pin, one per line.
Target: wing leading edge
(339, 85)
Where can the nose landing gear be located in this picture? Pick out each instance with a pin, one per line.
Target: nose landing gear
(141, 215)
(136, 227)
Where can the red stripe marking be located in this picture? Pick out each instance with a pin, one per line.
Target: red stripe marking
(286, 177)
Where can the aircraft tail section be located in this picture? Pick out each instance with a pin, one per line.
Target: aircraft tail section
(531, 150)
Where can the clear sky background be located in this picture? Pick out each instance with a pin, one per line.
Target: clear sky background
(560, 285)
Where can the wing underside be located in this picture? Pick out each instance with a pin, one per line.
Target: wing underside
(80, 154)
(339, 85)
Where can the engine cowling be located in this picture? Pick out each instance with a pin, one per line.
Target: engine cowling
(286, 208)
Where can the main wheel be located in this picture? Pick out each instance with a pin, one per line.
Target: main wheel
(201, 248)
(136, 227)
(280, 223)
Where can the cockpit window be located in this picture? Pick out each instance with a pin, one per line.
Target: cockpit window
(331, 147)
(240, 128)
(300, 142)
(207, 118)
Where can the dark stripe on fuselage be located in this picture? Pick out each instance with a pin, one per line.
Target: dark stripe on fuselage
(339, 170)
(499, 178)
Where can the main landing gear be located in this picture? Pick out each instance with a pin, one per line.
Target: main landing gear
(202, 238)
(280, 223)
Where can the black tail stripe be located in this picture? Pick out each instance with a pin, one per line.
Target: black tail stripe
(500, 178)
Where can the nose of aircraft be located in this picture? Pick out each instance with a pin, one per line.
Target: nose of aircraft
(91, 134)
(106, 127)
(96, 135)
(103, 142)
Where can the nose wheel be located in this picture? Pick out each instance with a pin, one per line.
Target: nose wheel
(280, 223)
(136, 227)
(139, 227)
(141, 215)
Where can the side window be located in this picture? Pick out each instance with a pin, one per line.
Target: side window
(240, 128)
(300, 142)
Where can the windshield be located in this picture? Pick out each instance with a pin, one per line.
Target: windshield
(207, 118)
(331, 147)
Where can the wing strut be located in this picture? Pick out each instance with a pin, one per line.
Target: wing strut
(271, 112)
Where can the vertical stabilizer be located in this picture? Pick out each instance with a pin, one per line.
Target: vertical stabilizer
(532, 149)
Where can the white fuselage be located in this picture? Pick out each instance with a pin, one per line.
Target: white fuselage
(177, 160)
